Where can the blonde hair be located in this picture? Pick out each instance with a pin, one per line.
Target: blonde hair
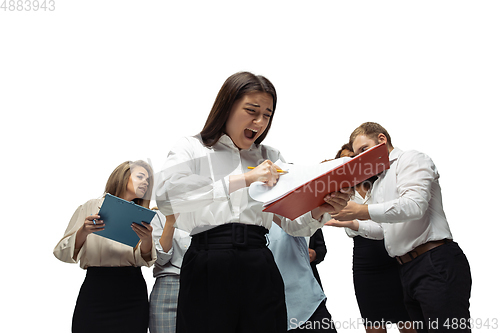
(118, 180)
(370, 130)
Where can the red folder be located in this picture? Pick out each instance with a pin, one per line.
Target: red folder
(310, 195)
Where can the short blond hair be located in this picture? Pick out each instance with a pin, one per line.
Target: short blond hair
(118, 180)
(370, 130)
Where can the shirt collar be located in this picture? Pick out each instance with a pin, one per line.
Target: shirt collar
(394, 154)
(226, 141)
(366, 198)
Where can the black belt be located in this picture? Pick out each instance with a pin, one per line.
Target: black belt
(421, 249)
(231, 235)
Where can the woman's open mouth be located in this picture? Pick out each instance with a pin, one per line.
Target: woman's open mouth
(250, 133)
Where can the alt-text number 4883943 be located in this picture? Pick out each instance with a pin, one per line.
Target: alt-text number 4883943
(28, 5)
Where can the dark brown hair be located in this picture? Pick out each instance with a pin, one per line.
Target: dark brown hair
(344, 147)
(118, 180)
(234, 88)
(370, 130)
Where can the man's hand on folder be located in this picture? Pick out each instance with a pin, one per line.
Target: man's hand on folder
(334, 203)
(353, 211)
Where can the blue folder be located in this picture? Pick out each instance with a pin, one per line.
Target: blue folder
(118, 216)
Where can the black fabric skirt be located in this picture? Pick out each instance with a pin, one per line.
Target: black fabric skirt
(112, 299)
(377, 283)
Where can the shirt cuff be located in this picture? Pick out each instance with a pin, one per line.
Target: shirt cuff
(305, 225)
(325, 218)
(351, 233)
(363, 229)
(66, 250)
(154, 257)
(377, 212)
(370, 230)
(140, 260)
(162, 256)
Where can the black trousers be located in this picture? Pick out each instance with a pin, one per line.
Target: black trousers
(437, 288)
(230, 283)
(320, 321)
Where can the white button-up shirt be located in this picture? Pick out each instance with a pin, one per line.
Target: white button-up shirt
(195, 183)
(168, 262)
(407, 201)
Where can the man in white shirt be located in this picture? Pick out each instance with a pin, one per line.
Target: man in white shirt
(435, 273)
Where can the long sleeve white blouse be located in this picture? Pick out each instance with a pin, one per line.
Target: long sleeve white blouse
(195, 182)
(97, 250)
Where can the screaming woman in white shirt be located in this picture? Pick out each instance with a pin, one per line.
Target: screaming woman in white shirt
(229, 281)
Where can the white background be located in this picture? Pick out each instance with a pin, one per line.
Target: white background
(95, 83)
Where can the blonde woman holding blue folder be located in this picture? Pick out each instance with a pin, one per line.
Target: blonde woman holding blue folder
(113, 297)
